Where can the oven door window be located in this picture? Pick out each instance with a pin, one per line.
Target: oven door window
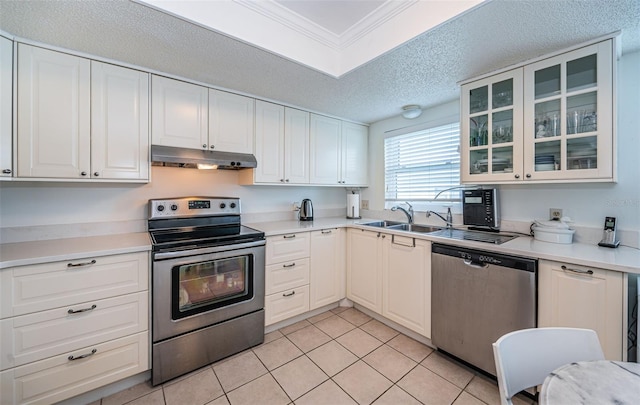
(204, 286)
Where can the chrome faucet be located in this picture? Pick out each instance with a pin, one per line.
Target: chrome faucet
(448, 219)
(408, 213)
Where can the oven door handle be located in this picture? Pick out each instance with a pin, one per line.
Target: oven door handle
(212, 249)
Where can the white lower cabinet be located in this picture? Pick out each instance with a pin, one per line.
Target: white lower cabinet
(72, 326)
(583, 297)
(364, 268)
(327, 278)
(391, 275)
(286, 276)
(406, 282)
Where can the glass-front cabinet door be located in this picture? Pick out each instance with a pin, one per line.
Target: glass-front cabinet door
(568, 109)
(491, 128)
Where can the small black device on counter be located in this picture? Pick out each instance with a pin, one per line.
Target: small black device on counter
(480, 209)
(609, 233)
(306, 210)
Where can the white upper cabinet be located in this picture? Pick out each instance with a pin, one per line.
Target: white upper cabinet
(231, 122)
(119, 122)
(6, 110)
(179, 114)
(282, 145)
(71, 126)
(54, 93)
(338, 152)
(548, 121)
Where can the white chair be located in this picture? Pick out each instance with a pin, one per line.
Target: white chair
(525, 357)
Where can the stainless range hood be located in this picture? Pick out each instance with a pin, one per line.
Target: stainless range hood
(201, 159)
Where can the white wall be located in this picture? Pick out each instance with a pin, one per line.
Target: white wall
(45, 203)
(586, 204)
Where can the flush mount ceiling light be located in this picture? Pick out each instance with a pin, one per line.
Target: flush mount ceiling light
(411, 111)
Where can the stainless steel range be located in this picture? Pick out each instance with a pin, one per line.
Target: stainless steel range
(207, 283)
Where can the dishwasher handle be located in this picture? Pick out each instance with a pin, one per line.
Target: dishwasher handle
(476, 265)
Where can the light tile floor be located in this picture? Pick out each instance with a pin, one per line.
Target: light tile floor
(339, 357)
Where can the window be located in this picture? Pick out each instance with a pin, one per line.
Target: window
(419, 165)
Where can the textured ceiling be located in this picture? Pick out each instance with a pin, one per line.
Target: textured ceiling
(423, 71)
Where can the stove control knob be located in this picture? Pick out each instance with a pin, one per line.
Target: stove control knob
(160, 208)
(223, 206)
(232, 205)
(174, 207)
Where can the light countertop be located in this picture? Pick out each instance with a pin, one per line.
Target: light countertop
(44, 251)
(623, 258)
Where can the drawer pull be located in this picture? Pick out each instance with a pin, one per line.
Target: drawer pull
(289, 295)
(393, 240)
(77, 311)
(289, 236)
(326, 232)
(82, 356)
(82, 264)
(289, 265)
(579, 271)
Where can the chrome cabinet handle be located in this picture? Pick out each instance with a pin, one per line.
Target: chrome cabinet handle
(83, 173)
(281, 180)
(326, 232)
(470, 263)
(289, 265)
(393, 240)
(517, 176)
(528, 175)
(96, 174)
(213, 146)
(289, 236)
(286, 180)
(289, 295)
(6, 171)
(77, 311)
(83, 356)
(204, 145)
(82, 264)
(579, 271)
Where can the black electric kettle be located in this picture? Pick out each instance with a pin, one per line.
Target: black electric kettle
(306, 210)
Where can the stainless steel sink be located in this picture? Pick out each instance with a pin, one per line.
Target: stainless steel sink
(414, 228)
(383, 224)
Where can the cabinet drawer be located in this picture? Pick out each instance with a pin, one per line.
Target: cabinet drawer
(287, 275)
(58, 378)
(286, 304)
(41, 287)
(283, 248)
(34, 337)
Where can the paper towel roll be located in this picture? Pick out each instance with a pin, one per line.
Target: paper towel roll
(353, 206)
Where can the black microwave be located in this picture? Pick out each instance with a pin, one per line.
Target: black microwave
(480, 208)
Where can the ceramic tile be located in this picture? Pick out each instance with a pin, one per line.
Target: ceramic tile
(389, 362)
(220, 401)
(319, 317)
(428, 387)
(327, 393)
(410, 347)
(198, 388)
(339, 310)
(359, 342)
(332, 358)
(379, 330)
(270, 337)
(448, 369)
(334, 326)
(362, 383)
(128, 395)
(154, 398)
(467, 399)
(263, 390)
(294, 327)
(484, 389)
(354, 316)
(299, 377)
(395, 396)
(239, 370)
(308, 338)
(277, 353)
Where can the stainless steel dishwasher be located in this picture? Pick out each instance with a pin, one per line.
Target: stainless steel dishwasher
(478, 296)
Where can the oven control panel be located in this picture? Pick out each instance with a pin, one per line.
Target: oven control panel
(193, 207)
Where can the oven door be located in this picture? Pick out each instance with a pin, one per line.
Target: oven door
(208, 286)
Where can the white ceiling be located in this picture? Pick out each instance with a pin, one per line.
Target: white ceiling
(331, 36)
(424, 70)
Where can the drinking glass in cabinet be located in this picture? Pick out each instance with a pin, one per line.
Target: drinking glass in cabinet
(547, 119)
(502, 94)
(582, 113)
(478, 162)
(502, 127)
(478, 99)
(547, 82)
(478, 135)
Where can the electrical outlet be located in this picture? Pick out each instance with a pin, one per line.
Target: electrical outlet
(555, 213)
(364, 204)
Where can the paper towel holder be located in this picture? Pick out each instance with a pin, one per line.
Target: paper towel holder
(353, 206)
